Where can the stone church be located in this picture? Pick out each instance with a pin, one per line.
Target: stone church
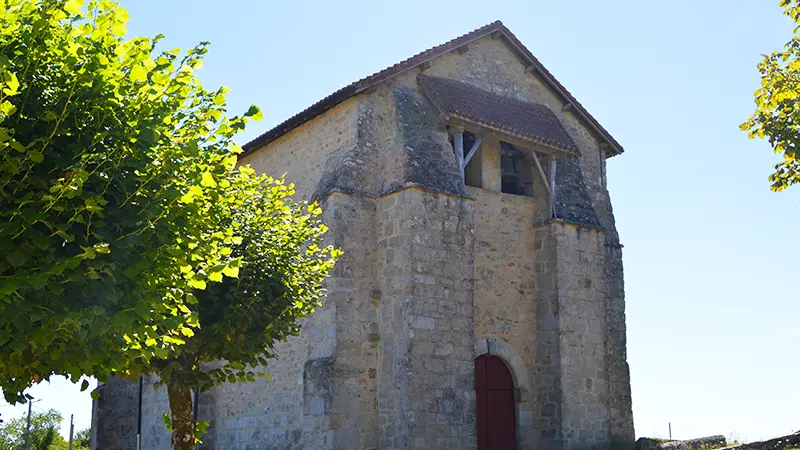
(479, 303)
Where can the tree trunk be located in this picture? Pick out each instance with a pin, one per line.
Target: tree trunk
(180, 405)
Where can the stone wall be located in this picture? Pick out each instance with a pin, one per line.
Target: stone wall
(305, 152)
(504, 272)
(354, 292)
(154, 405)
(426, 395)
(114, 415)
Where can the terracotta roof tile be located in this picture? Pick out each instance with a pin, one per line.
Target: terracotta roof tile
(530, 120)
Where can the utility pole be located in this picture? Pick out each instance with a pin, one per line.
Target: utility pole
(71, 429)
(28, 427)
(670, 430)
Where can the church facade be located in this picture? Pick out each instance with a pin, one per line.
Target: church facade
(479, 303)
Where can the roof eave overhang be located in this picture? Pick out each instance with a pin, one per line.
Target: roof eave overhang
(523, 139)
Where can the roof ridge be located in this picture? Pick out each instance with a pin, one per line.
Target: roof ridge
(358, 86)
(390, 71)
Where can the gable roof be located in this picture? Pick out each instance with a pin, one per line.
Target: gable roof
(495, 28)
(530, 121)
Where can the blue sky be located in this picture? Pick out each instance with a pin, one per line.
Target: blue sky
(710, 253)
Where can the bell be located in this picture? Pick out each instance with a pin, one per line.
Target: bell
(508, 167)
(509, 177)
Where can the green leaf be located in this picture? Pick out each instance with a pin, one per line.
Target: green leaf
(84, 385)
(9, 285)
(17, 258)
(215, 276)
(187, 332)
(230, 271)
(73, 6)
(207, 180)
(148, 136)
(139, 74)
(12, 84)
(7, 109)
(254, 112)
(197, 284)
(219, 100)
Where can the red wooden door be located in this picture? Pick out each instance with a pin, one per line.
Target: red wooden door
(494, 389)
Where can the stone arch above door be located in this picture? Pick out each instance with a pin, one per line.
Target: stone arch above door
(506, 352)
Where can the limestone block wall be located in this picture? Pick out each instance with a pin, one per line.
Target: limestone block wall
(114, 416)
(354, 292)
(247, 414)
(505, 283)
(154, 405)
(572, 371)
(303, 153)
(426, 393)
(583, 375)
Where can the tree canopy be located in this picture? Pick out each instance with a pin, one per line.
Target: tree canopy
(131, 242)
(777, 114)
(43, 433)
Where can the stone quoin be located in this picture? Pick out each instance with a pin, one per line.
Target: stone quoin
(467, 188)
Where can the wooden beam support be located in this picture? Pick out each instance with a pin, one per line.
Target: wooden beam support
(463, 49)
(459, 149)
(541, 172)
(553, 185)
(532, 68)
(424, 66)
(497, 34)
(472, 151)
(568, 107)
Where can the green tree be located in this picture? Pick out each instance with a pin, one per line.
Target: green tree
(43, 432)
(777, 114)
(131, 243)
(82, 439)
(279, 281)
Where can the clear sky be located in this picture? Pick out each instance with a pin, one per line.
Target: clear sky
(710, 253)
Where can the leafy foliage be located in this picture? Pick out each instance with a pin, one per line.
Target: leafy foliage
(131, 243)
(278, 281)
(43, 435)
(777, 115)
(116, 172)
(82, 439)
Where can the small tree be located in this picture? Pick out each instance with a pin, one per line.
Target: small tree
(777, 115)
(131, 243)
(279, 281)
(43, 433)
(82, 439)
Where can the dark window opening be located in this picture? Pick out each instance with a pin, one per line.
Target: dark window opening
(513, 176)
(472, 173)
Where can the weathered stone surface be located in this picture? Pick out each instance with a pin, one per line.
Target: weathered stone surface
(572, 198)
(434, 275)
(703, 443)
(791, 441)
(114, 415)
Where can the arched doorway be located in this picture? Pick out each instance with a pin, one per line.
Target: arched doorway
(494, 393)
